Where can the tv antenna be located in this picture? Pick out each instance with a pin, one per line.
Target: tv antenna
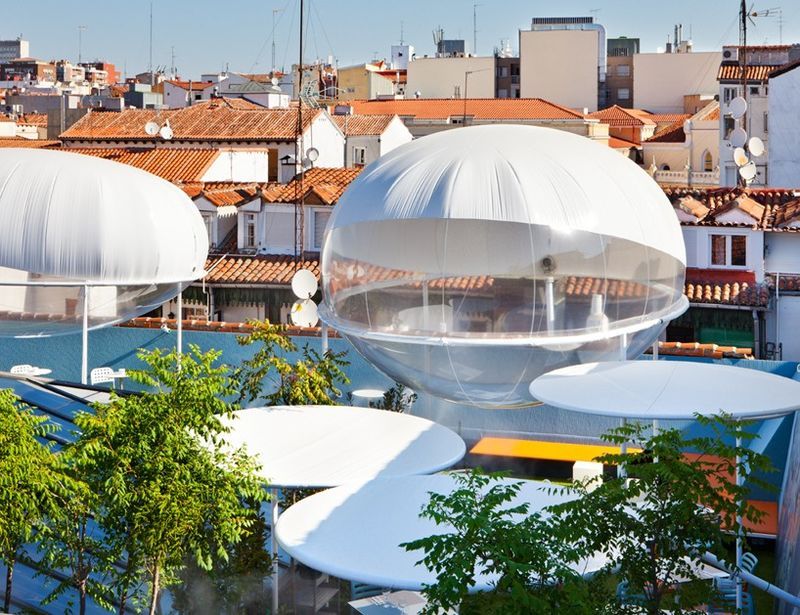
(80, 42)
(475, 6)
(274, 13)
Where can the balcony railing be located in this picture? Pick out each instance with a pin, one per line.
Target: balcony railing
(699, 178)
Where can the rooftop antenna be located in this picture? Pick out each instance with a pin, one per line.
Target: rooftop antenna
(274, 13)
(401, 32)
(172, 62)
(475, 6)
(80, 42)
(150, 62)
(299, 213)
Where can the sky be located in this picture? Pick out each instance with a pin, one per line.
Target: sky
(210, 35)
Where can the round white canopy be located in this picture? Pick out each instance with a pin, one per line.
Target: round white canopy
(524, 174)
(667, 390)
(326, 446)
(84, 218)
(354, 531)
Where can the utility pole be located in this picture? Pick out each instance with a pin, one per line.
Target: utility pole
(299, 213)
(80, 42)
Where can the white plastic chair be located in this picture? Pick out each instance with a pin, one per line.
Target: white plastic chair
(100, 375)
(22, 369)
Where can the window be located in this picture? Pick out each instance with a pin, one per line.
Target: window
(198, 96)
(502, 93)
(728, 124)
(708, 162)
(729, 250)
(728, 94)
(249, 230)
(320, 222)
(208, 221)
(754, 90)
(360, 155)
(766, 121)
(623, 94)
(623, 70)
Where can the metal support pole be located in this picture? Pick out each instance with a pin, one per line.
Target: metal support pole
(739, 483)
(655, 350)
(180, 326)
(623, 449)
(275, 515)
(623, 347)
(324, 335)
(85, 338)
(550, 304)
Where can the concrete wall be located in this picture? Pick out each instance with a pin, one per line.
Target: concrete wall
(698, 247)
(238, 166)
(444, 77)
(757, 107)
(661, 80)
(395, 135)
(359, 83)
(784, 130)
(702, 137)
(559, 66)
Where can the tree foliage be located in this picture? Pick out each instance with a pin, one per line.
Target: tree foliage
(494, 535)
(397, 398)
(312, 378)
(29, 482)
(169, 486)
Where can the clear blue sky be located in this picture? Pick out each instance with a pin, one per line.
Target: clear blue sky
(208, 34)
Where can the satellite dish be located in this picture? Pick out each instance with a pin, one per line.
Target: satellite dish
(304, 313)
(166, 131)
(738, 107)
(151, 128)
(756, 146)
(748, 171)
(738, 137)
(304, 284)
(740, 157)
(275, 81)
(312, 153)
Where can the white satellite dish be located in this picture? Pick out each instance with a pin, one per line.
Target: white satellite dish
(740, 157)
(756, 146)
(166, 131)
(275, 81)
(304, 313)
(738, 107)
(312, 153)
(151, 128)
(304, 284)
(748, 171)
(738, 137)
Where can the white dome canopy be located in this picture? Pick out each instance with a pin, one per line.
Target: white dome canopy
(85, 218)
(514, 173)
(87, 239)
(469, 262)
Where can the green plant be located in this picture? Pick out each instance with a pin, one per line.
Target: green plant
(655, 525)
(311, 379)
(495, 536)
(396, 399)
(29, 482)
(169, 488)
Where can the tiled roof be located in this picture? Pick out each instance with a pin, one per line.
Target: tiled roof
(725, 287)
(772, 209)
(784, 69)
(619, 116)
(668, 118)
(263, 270)
(326, 184)
(22, 142)
(673, 133)
(219, 119)
(223, 193)
(617, 143)
(33, 119)
(176, 165)
(711, 351)
(361, 125)
(478, 108)
(193, 85)
(733, 72)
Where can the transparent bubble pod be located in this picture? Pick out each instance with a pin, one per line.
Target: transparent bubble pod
(467, 263)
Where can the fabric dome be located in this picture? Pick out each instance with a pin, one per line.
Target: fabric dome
(72, 220)
(500, 237)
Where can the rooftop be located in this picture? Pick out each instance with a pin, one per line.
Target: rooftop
(477, 108)
(363, 125)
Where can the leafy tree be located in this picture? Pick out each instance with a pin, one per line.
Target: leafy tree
(311, 379)
(655, 527)
(397, 399)
(170, 487)
(29, 482)
(491, 535)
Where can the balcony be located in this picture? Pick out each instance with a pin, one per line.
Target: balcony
(681, 178)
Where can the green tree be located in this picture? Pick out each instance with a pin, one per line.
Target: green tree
(311, 379)
(29, 482)
(492, 535)
(397, 398)
(654, 526)
(170, 487)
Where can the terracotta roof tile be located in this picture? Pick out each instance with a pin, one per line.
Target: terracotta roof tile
(326, 184)
(669, 118)
(620, 116)
(33, 119)
(194, 85)
(673, 133)
(22, 142)
(267, 269)
(173, 164)
(360, 125)
(755, 72)
(617, 143)
(219, 119)
(725, 287)
(712, 351)
(478, 108)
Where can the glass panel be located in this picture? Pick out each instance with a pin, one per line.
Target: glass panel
(739, 250)
(718, 250)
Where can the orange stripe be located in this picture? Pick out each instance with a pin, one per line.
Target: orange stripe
(538, 449)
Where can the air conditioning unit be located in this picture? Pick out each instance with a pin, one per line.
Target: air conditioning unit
(730, 54)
